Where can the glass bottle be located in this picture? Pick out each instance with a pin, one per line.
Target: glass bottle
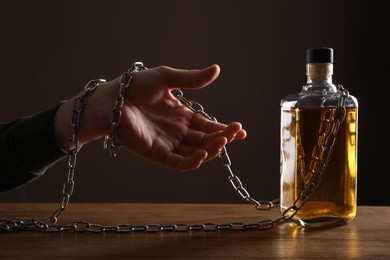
(318, 156)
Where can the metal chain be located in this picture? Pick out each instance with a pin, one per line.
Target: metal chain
(224, 157)
(7, 225)
(112, 143)
(74, 147)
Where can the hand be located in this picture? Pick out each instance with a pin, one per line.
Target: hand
(155, 125)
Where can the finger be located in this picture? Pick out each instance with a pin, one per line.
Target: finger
(231, 131)
(189, 79)
(206, 125)
(240, 135)
(201, 139)
(184, 163)
(186, 150)
(187, 158)
(213, 146)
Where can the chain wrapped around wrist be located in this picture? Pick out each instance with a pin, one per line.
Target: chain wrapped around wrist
(111, 142)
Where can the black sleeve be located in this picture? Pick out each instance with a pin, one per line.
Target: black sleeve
(27, 148)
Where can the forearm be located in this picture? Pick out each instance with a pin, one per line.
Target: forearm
(28, 147)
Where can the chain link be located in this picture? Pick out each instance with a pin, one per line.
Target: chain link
(111, 142)
(111, 145)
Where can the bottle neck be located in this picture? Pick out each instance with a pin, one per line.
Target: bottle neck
(319, 77)
(319, 72)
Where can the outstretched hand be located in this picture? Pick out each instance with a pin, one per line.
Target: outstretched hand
(154, 124)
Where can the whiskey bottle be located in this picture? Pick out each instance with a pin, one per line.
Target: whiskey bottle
(319, 127)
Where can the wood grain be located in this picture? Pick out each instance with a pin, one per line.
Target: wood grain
(366, 237)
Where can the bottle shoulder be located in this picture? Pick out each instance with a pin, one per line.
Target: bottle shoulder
(317, 98)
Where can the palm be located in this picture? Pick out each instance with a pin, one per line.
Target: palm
(155, 125)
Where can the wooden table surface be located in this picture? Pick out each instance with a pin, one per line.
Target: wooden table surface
(366, 237)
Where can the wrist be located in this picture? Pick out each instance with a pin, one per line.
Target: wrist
(93, 120)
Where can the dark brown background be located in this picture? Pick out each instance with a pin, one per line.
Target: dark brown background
(50, 49)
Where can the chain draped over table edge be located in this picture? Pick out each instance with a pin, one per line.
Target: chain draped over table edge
(112, 145)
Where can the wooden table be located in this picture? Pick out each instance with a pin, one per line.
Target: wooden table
(366, 237)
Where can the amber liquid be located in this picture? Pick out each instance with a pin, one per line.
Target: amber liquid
(334, 199)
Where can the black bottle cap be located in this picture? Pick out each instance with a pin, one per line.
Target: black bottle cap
(319, 55)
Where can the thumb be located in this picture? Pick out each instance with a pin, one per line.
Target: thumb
(189, 79)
